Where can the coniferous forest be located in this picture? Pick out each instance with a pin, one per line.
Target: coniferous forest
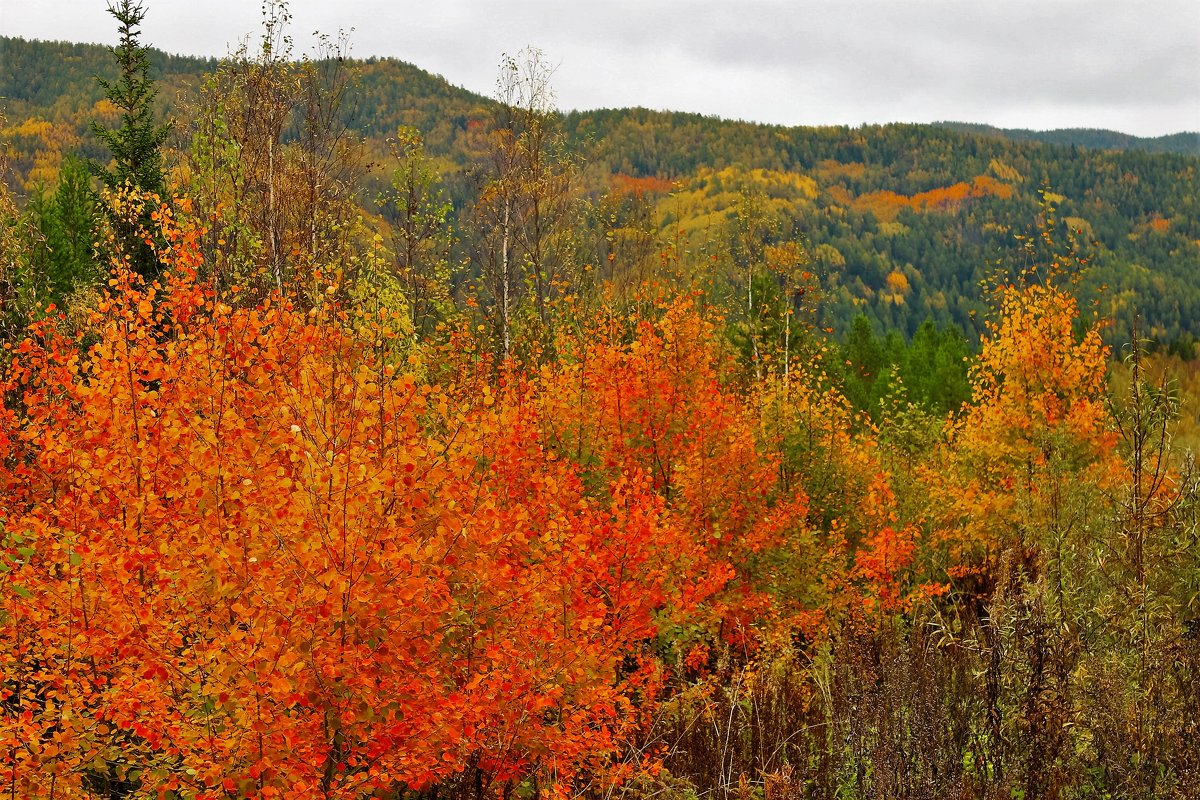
(364, 437)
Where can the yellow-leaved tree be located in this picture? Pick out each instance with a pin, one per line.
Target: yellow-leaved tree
(1017, 504)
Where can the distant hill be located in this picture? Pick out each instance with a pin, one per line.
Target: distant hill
(1187, 143)
(57, 82)
(54, 80)
(903, 221)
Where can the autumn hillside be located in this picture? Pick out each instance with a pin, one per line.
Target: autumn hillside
(365, 439)
(932, 210)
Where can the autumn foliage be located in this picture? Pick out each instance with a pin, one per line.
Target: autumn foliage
(275, 548)
(887, 205)
(434, 460)
(1038, 420)
(247, 552)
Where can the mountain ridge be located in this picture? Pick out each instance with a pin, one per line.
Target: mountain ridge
(1181, 142)
(173, 64)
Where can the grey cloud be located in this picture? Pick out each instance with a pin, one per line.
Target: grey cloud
(1035, 63)
(962, 49)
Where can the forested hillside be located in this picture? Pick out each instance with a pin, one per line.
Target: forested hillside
(1187, 144)
(903, 221)
(365, 439)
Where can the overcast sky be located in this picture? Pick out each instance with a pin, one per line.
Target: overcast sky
(1129, 65)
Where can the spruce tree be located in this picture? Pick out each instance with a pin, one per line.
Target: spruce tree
(136, 144)
(71, 231)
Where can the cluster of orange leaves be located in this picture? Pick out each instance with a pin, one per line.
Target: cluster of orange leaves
(247, 553)
(887, 205)
(636, 186)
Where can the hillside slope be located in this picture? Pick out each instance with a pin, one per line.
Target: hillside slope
(1186, 143)
(903, 221)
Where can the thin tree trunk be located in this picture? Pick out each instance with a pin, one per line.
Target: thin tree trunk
(504, 281)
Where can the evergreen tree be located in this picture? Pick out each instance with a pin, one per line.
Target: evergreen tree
(65, 222)
(75, 213)
(861, 364)
(136, 144)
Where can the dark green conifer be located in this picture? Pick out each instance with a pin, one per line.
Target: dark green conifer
(66, 222)
(136, 144)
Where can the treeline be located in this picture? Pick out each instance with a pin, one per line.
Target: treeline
(1187, 143)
